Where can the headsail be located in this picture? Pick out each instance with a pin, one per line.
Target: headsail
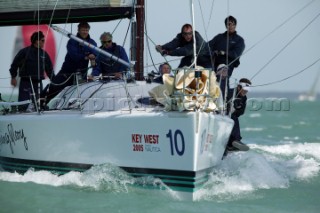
(33, 12)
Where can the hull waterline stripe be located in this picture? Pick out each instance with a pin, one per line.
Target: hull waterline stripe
(175, 179)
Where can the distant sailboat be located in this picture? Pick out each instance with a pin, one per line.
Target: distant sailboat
(311, 95)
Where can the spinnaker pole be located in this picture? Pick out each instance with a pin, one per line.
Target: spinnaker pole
(97, 49)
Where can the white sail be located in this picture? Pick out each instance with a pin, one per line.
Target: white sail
(311, 95)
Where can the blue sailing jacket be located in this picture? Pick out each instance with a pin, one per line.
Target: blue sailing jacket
(107, 66)
(75, 58)
(235, 44)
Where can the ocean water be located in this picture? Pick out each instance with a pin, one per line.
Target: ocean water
(280, 173)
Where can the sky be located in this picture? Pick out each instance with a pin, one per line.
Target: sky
(277, 46)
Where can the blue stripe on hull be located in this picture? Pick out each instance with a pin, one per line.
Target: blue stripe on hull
(187, 181)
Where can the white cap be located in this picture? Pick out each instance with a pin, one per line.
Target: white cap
(222, 66)
(245, 86)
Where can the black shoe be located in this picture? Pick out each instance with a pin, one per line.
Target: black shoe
(232, 149)
(240, 146)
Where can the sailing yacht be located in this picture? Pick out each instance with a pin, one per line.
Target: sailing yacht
(176, 136)
(311, 95)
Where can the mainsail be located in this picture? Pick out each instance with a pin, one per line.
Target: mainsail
(33, 12)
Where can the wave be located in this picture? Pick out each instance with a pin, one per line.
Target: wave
(240, 174)
(103, 178)
(262, 167)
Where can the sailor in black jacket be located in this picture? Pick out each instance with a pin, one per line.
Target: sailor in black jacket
(226, 49)
(32, 63)
(182, 45)
(237, 107)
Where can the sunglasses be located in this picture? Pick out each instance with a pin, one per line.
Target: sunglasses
(186, 33)
(104, 42)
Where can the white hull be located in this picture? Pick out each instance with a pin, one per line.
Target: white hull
(179, 148)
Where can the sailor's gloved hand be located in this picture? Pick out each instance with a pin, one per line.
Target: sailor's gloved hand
(165, 52)
(159, 48)
(219, 52)
(223, 72)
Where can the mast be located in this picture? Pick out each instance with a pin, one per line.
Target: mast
(139, 69)
(194, 33)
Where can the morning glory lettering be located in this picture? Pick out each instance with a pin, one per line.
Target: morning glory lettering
(12, 136)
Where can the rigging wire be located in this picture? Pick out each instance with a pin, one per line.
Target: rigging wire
(274, 30)
(155, 44)
(227, 43)
(149, 49)
(147, 41)
(265, 37)
(210, 16)
(168, 61)
(206, 27)
(203, 44)
(288, 77)
(282, 49)
(278, 27)
(61, 38)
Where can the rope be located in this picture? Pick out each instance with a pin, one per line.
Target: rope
(153, 64)
(176, 59)
(62, 82)
(153, 43)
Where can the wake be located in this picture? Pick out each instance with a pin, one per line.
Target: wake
(262, 167)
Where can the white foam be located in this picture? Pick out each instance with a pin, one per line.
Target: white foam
(255, 115)
(42, 177)
(295, 138)
(103, 177)
(284, 126)
(292, 149)
(262, 167)
(252, 129)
